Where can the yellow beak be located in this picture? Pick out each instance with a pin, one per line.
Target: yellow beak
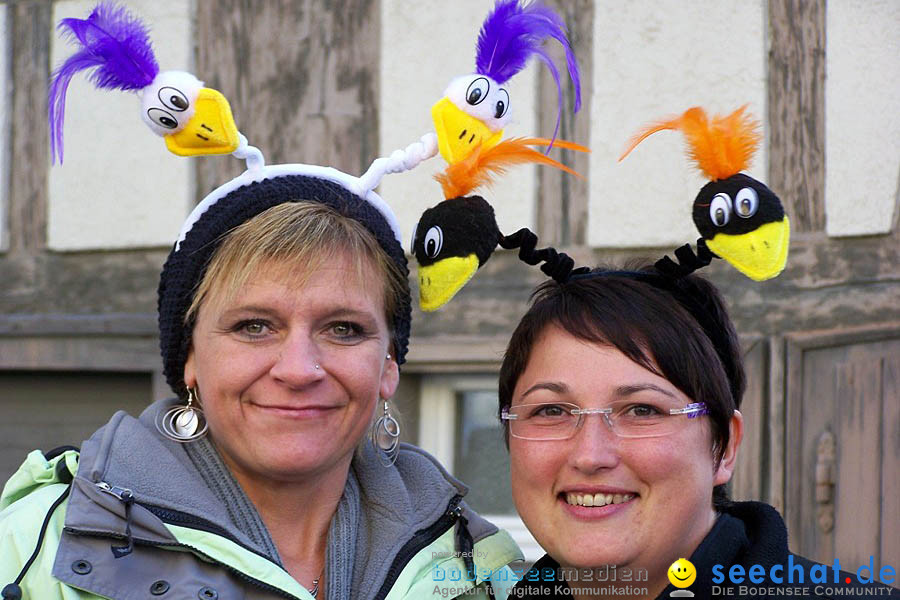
(760, 254)
(210, 131)
(438, 283)
(459, 133)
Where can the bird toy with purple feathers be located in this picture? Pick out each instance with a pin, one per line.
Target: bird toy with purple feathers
(193, 119)
(476, 107)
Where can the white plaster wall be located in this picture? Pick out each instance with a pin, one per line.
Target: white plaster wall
(423, 46)
(654, 59)
(4, 131)
(119, 186)
(862, 116)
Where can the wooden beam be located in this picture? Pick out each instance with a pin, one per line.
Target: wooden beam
(30, 27)
(301, 77)
(796, 111)
(562, 203)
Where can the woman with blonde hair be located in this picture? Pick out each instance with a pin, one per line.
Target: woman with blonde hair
(284, 317)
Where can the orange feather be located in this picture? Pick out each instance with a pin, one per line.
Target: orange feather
(721, 147)
(480, 167)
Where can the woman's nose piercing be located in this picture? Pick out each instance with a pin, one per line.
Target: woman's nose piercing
(317, 367)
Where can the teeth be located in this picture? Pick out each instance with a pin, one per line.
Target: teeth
(596, 500)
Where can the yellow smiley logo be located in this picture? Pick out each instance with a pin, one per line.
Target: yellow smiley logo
(682, 573)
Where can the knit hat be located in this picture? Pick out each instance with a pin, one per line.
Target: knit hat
(195, 120)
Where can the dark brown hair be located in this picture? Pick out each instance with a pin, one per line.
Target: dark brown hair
(664, 325)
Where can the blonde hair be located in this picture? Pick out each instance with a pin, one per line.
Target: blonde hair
(300, 234)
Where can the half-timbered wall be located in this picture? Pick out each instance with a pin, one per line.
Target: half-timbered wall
(338, 83)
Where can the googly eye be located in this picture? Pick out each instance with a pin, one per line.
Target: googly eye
(434, 239)
(477, 91)
(720, 210)
(502, 104)
(746, 202)
(173, 99)
(162, 118)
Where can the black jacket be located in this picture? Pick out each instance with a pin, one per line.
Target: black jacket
(745, 534)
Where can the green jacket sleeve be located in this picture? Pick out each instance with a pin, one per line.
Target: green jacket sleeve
(25, 503)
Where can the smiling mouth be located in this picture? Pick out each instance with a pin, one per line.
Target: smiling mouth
(596, 500)
(297, 410)
(686, 577)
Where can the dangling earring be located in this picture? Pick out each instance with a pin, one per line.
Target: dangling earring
(386, 437)
(183, 423)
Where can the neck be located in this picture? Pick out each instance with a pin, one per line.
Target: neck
(657, 572)
(298, 515)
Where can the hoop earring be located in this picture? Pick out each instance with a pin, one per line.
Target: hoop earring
(386, 437)
(183, 424)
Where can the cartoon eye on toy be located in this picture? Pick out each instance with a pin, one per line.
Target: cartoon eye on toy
(746, 202)
(174, 99)
(502, 105)
(720, 210)
(477, 91)
(434, 239)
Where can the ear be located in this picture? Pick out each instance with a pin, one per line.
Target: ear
(190, 371)
(729, 457)
(390, 378)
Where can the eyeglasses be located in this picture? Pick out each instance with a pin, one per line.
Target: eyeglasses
(560, 420)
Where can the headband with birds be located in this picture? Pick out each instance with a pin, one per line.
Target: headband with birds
(114, 46)
(739, 218)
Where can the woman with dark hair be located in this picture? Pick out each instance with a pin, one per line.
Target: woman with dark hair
(619, 394)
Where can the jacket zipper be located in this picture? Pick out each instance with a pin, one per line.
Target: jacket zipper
(127, 497)
(175, 517)
(420, 540)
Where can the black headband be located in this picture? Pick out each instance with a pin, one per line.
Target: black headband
(669, 277)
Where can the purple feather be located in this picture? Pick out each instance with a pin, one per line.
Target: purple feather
(515, 32)
(112, 42)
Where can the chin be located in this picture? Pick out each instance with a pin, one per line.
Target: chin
(588, 557)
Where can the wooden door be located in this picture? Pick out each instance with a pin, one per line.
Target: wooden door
(842, 445)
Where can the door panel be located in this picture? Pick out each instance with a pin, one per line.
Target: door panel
(842, 444)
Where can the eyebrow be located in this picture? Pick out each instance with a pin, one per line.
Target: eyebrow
(335, 313)
(628, 390)
(553, 386)
(251, 308)
(621, 391)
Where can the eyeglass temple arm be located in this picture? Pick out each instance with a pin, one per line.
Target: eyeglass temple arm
(691, 410)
